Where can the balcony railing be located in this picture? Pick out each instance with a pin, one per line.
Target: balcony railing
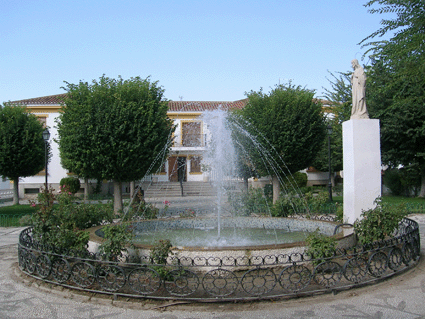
(190, 140)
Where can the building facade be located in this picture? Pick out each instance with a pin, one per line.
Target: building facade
(184, 163)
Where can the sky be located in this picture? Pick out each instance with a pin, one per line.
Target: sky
(196, 50)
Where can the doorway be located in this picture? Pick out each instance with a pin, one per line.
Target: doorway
(177, 169)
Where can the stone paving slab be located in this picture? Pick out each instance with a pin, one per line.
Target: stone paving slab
(23, 297)
(10, 235)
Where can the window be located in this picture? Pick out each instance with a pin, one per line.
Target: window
(195, 164)
(42, 120)
(191, 134)
(162, 169)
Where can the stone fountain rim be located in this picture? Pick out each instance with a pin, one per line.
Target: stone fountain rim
(98, 240)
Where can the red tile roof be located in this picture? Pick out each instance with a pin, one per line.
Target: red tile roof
(199, 106)
(44, 100)
(173, 106)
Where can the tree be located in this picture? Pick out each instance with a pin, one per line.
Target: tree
(244, 166)
(289, 126)
(22, 148)
(339, 111)
(113, 129)
(396, 83)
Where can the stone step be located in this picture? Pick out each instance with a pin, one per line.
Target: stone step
(174, 189)
(164, 189)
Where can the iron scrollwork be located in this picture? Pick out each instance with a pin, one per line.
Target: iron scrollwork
(223, 278)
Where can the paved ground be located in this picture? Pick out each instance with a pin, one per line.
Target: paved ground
(20, 297)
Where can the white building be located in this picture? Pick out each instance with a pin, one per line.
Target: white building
(185, 158)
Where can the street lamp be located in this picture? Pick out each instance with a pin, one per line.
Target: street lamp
(46, 136)
(330, 163)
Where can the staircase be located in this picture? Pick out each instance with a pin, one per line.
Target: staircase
(173, 189)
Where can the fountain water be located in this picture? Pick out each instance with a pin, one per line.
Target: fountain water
(220, 156)
(232, 269)
(228, 145)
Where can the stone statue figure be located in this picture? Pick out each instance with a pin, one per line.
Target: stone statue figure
(358, 83)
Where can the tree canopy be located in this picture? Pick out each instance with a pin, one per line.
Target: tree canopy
(339, 111)
(289, 123)
(113, 129)
(396, 82)
(22, 146)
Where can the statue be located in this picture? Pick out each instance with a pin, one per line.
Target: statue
(358, 83)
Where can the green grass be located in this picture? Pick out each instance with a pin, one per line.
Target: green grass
(390, 199)
(338, 199)
(17, 209)
(402, 200)
(414, 204)
(11, 215)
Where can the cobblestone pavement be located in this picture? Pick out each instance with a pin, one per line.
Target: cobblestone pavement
(23, 297)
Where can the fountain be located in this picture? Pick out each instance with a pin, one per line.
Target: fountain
(244, 253)
(232, 262)
(216, 222)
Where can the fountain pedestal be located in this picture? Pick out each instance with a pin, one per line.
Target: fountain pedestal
(362, 166)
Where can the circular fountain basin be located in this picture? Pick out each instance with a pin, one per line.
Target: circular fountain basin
(195, 233)
(239, 241)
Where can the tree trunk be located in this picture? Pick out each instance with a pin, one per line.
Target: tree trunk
(16, 191)
(132, 188)
(276, 189)
(245, 184)
(86, 190)
(117, 197)
(422, 192)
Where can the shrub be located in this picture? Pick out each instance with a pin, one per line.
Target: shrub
(380, 222)
(306, 189)
(250, 202)
(160, 251)
(159, 254)
(392, 180)
(68, 239)
(299, 179)
(81, 216)
(268, 191)
(320, 247)
(62, 226)
(339, 212)
(403, 181)
(317, 203)
(309, 203)
(117, 239)
(289, 204)
(70, 184)
(338, 189)
(411, 179)
(25, 220)
(140, 210)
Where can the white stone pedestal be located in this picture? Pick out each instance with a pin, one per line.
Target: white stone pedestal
(362, 166)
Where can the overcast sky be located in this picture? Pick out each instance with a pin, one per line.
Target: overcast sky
(197, 50)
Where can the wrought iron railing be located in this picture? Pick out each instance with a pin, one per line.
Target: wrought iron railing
(191, 140)
(215, 278)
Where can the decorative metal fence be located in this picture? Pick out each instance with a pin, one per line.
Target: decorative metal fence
(223, 278)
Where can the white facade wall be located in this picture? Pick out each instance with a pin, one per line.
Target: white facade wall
(5, 184)
(55, 170)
